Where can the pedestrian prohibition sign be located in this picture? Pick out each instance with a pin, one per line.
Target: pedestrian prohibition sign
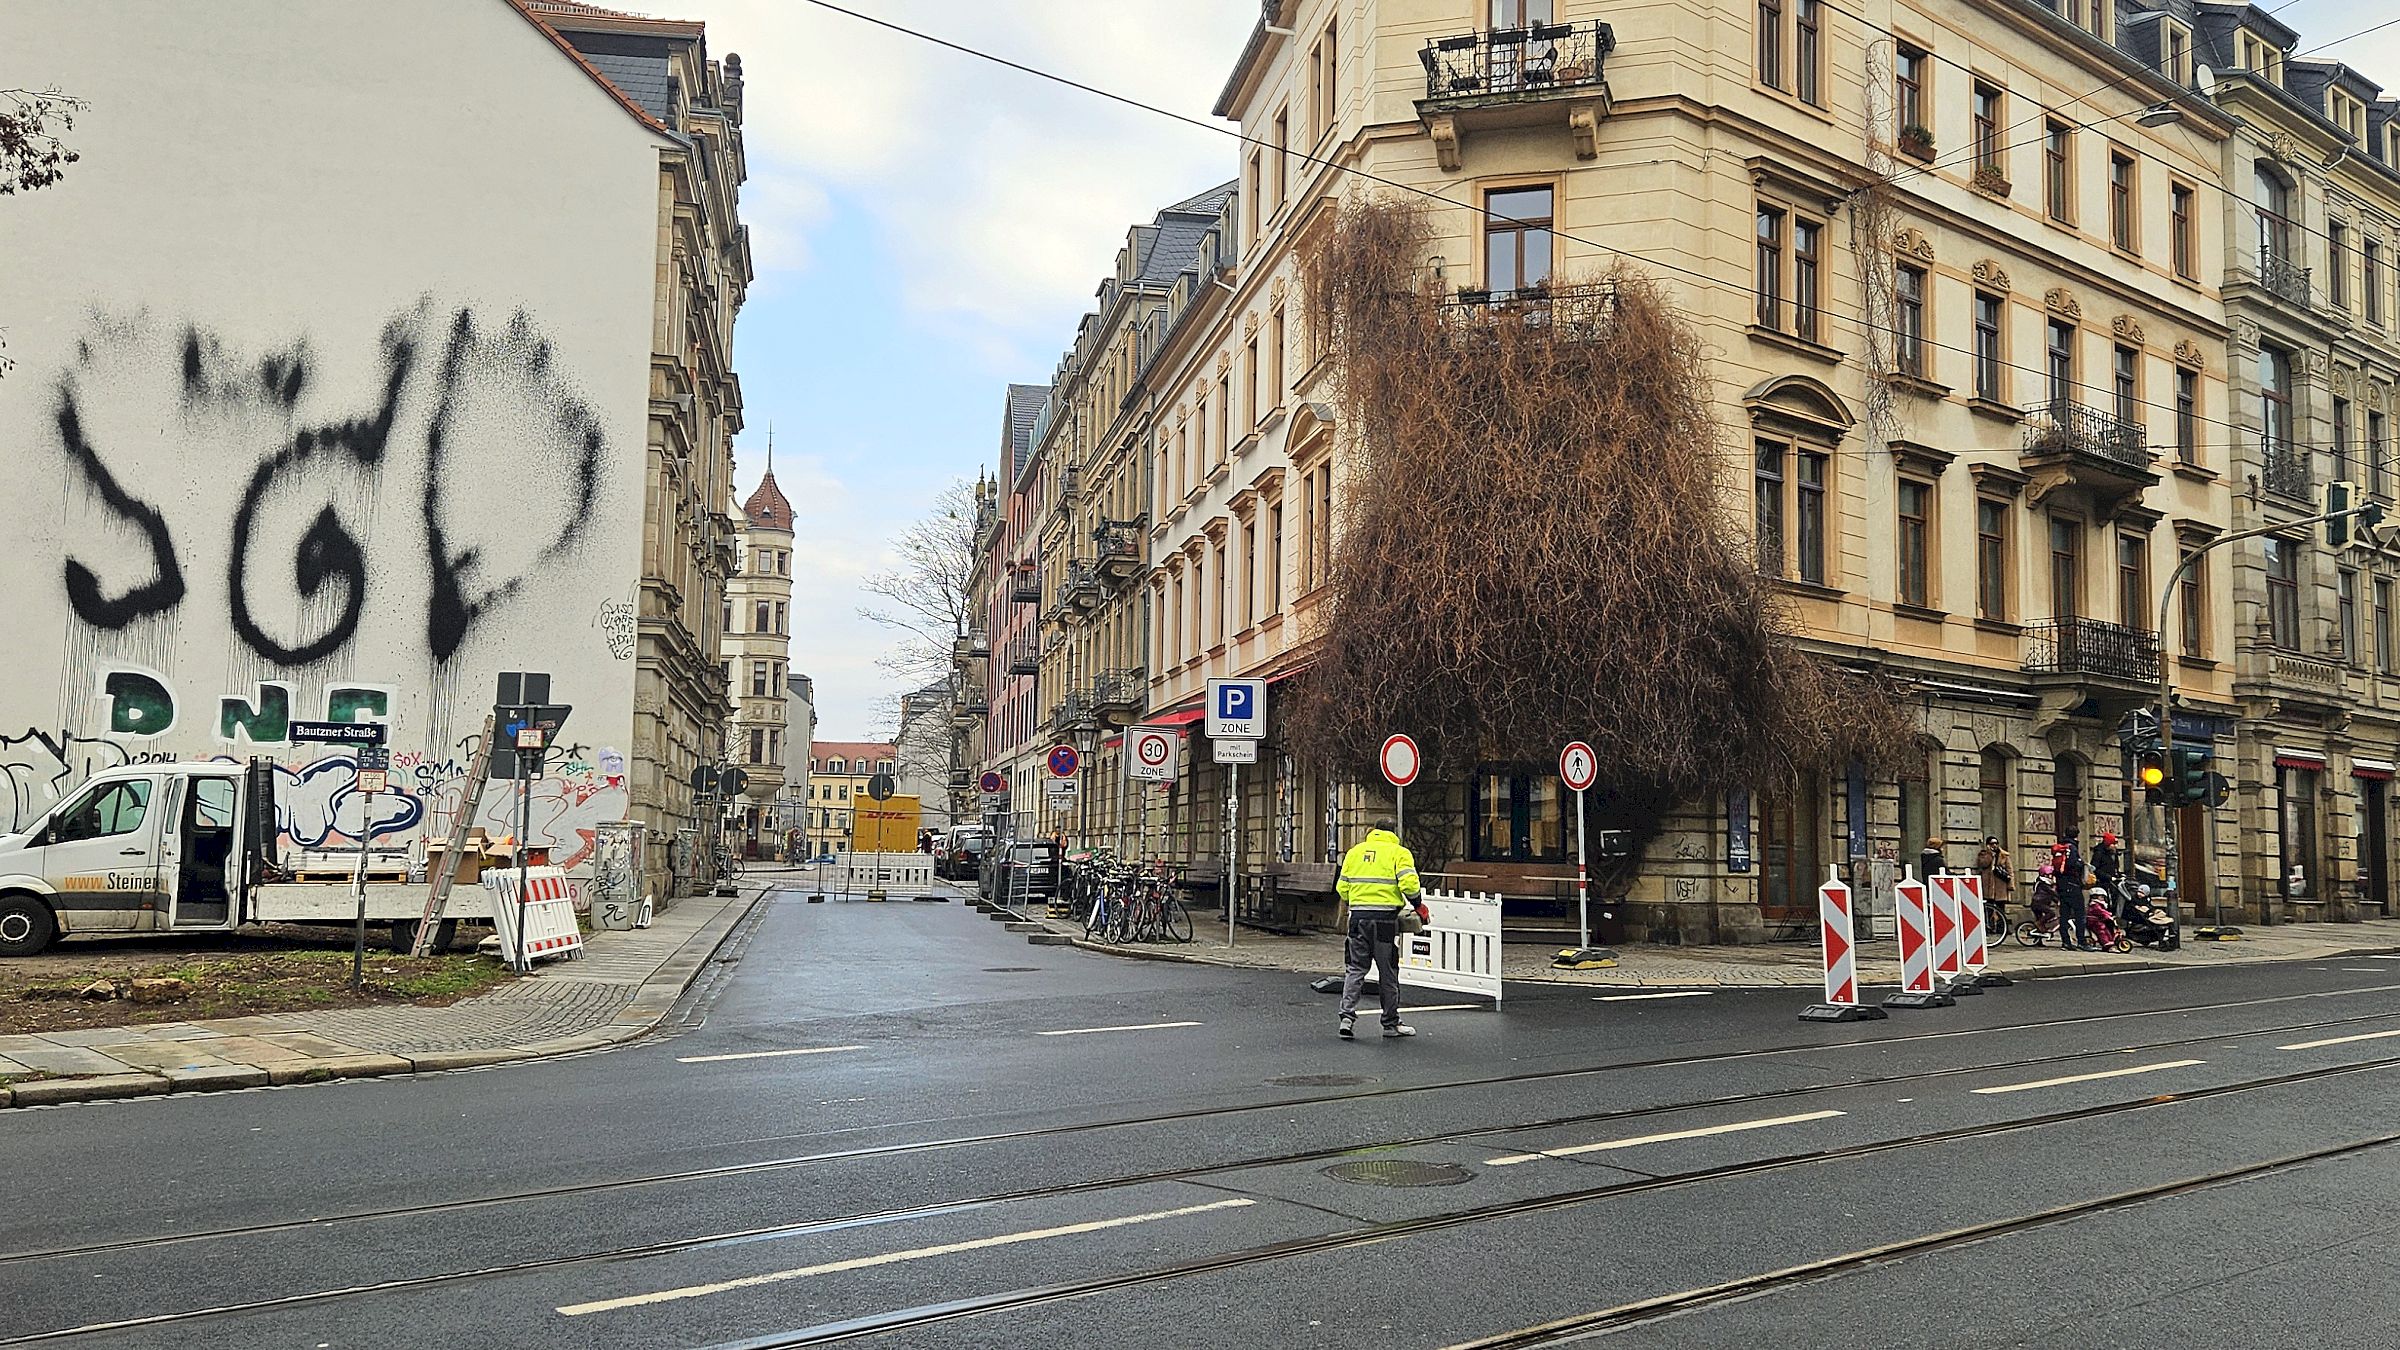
(1399, 760)
(1578, 765)
(1064, 761)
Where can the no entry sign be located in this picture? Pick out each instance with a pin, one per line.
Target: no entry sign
(1399, 760)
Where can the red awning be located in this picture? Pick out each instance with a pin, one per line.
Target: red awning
(1176, 719)
(2371, 768)
(2299, 759)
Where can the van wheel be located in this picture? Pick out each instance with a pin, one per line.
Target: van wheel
(26, 925)
(404, 936)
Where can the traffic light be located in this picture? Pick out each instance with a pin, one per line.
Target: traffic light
(2349, 515)
(2190, 781)
(2150, 767)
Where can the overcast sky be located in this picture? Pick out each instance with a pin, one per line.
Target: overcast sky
(929, 227)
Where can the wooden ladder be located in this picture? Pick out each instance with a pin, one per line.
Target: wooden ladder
(437, 895)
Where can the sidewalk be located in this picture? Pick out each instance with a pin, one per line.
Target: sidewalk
(1770, 965)
(618, 990)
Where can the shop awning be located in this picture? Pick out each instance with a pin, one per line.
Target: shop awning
(2298, 759)
(2370, 768)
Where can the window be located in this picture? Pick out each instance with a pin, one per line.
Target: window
(1519, 816)
(1909, 69)
(1991, 785)
(2275, 399)
(1916, 528)
(2126, 370)
(1991, 350)
(1989, 105)
(1917, 778)
(2066, 567)
(2175, 52)
(2337, 255)
(761, 616)
(1318, 121)
(1250, 383)
(2183, 247)
(1252, 201)
(836, 765)
(2272, 194)
(1275, 560)
(1808, 504)
(2384, 646)
(2371, 284)
(1807, 260)
(1249, 574)
(1283, 143)
(758, 679)
(2341, 440)
(758, 746)
(783, 562)
(2187, 416)
(2376, 449)
(1770, 43)
(1770, 267)
(2066, 791)
(2060, 355)
(2283, 593)
(2121, 199)
(1769, 484)
(2058, 181)
(1991, 559)
(2194, 604)
(2296, 790)
(1275, 372)
(103, 811)
(1224, 416)
(1808, 49)
(1789, 487)
(783, 619)
(2345, 613)
(2133, 581)
(1909, 295)
(1516, 238)
(1333, 72)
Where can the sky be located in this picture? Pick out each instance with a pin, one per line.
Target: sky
(928, 227)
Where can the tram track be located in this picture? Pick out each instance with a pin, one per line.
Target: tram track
(687, 1245)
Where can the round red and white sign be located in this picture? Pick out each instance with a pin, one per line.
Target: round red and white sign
(1578, 766)
(1400, 761)
(1152, 748)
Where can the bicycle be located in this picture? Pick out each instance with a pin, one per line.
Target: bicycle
(1158, 913)
(729, 865)
(1996, 923)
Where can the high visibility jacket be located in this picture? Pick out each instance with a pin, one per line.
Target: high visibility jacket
(1379, 873)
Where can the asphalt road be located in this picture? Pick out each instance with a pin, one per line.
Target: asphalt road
(898, 1121)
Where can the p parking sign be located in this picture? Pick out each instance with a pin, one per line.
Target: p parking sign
(1237, 709)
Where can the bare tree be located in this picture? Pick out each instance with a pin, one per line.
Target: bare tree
(926, 604)
(32, 156)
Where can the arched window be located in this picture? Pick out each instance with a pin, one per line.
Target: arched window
(2067, 786)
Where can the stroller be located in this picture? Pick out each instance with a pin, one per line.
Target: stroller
(2102, 921)
(2150, 923)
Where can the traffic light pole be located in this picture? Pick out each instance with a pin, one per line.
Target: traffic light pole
(2166, 680)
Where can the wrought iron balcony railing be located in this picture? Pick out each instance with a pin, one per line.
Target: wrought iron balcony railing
(2279, 274)
(1569, 312)
(1025, 588)
(2076, 646)
(1532, 60)
(2072, 428)
(1081, 587)
(1118, 545)
(1120, 691)
(2286, 470)
(1024, 659)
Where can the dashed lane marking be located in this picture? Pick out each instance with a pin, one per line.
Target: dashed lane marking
(2087, 1077)
(893, 1258)
(1637, 998)
(2340, 1040)
(1737, 1127)
(767, 1054)
(1143, 1026)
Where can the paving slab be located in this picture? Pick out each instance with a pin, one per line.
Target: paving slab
(213, 1078)
(45, 1091)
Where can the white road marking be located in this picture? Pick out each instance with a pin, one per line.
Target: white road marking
(1637, 1141)
(2383, 956)
(1145, 1026)
(891, 1258)
(2340, 1040)
(767, 1054)
(1449, 1007)
(2089, 1077)
(2361, 970)
(1637, 998)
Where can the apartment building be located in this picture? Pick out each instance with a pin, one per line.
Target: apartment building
(757, 646)
(1007, 590)
(1971, 332)
(838, 774)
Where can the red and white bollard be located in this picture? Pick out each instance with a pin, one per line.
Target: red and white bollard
(1841, 958)
(1950, 934)
(1974, 949)
(1913, 925)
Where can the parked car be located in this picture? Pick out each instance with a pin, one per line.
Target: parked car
(960, 857)
(1025, 869)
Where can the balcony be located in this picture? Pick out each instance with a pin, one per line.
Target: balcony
(1025, 588)
(1120, 695)
(1023, 659)
(2287, 280)
(1071, 713)
(1568, 313)
(1081, 588)
(1545, 74)
(2087, 649)
(2286, 470)
(2071, 445)
(971, 645)
(1119, 545)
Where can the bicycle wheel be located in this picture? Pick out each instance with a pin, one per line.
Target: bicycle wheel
(2029, 935)
(2123, 944)
(1145, 919)
(1120, 918)
(1095, 916)
(1178, 921)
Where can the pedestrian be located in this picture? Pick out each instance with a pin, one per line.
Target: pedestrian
(2045, 901)
(1379, 879)
(2108, 863)
(2072, 930)
(1999, 879)
(1931, 862)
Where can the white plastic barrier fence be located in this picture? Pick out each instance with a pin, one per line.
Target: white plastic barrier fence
(877, 873)
(1460, 950)
(539, 923)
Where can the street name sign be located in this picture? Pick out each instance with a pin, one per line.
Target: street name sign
(339, 733)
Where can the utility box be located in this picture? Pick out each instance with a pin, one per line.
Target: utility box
(887, 826)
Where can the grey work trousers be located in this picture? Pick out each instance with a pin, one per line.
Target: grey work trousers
(1374, 939)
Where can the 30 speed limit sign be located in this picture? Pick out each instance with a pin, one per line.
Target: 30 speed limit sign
(1578, 766)
(1151, 754)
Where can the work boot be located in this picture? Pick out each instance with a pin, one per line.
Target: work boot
(1348, 1022)
(1398, 1029)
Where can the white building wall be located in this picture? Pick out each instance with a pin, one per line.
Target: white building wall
(332, 359)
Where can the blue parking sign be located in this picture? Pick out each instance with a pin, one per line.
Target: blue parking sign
(1237, 710)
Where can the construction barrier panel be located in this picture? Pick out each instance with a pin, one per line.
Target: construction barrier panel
(1943, 891)
(869, 873)
(1913, 924)
(1459, 951)
(539, 923)
(1972, 940)
(1841, 957)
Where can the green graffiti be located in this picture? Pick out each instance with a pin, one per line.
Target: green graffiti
(266, 722)
(344, 704)
(138, 704)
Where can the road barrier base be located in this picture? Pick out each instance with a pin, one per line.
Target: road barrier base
(1933, 1000)
(1842, 1012)
(1962, 986)
(1986, 979)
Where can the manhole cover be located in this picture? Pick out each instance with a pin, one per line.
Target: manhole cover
(1322, 1080)
(1399, 1172)
(1009, 970)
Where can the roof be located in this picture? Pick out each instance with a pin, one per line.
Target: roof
(576, 14)
(1024, 405)
(1178, 232)
(540, 13)
(853, 750)
(768, 506)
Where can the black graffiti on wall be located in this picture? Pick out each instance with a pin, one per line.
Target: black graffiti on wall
(493, 402)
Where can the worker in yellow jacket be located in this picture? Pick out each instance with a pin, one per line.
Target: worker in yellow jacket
(1379, 880)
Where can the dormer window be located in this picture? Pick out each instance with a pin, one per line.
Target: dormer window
(2260, 57)
(2175, 51)
(2349, 114)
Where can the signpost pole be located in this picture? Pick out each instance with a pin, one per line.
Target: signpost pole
(1400, 813)
(1233, 844)
(358, 886)
(1583, 893)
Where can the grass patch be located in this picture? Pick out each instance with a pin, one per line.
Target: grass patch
(231, 985)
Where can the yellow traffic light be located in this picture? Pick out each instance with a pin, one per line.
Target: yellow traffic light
(2153, 774)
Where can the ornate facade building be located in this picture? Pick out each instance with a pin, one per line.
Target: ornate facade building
(758, 659)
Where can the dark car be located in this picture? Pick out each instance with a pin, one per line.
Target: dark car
(961, 857)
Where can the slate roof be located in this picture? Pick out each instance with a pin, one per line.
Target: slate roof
(643, 78)
(1168, 245)
(1024, 406)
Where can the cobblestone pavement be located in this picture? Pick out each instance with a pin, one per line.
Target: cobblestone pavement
(619, 988)
(1793, 964)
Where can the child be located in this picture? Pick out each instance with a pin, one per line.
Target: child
(2100, 919)
(2045, 899)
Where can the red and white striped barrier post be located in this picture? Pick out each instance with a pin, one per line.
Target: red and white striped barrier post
(1974, 947)
(1841, 958)
(1913, 925)
(1950, 934)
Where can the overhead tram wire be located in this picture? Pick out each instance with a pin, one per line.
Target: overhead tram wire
(1858, 322)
